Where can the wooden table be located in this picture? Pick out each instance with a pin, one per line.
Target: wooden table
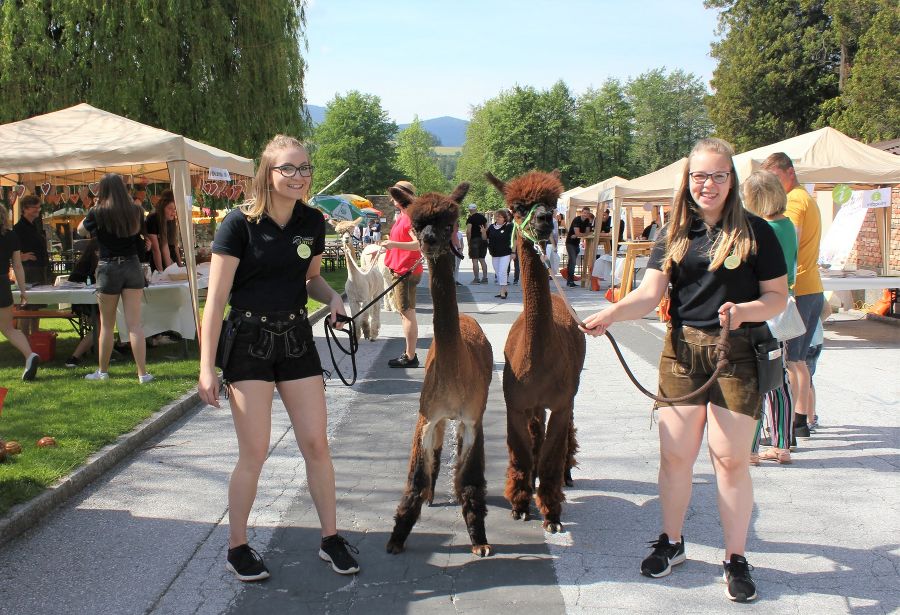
(633, 249)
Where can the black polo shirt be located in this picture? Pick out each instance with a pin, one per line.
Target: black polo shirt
(31, 239)
(578, 223)
(499, 240)
(478, 222)
(111, 245)
(697, 294)
(271, 276)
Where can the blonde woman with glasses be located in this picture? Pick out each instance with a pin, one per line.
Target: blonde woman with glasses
(720, 261)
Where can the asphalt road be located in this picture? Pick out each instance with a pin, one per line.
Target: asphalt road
(150, 535)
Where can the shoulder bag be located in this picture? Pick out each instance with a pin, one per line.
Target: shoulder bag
(789, 324)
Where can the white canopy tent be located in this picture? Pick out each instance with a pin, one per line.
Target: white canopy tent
(78, 145)
(562, 203)
(654, 188)
(590, 196)
(827, 157)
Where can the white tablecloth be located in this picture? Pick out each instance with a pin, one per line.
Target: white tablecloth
(603, 267)
(859, 282)
(167, 305)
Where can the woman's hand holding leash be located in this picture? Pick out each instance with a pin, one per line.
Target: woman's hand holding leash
(337, 309)
(596, 324)
(734, 311)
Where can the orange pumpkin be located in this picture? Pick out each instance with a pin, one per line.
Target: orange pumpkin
(13, 447)
(46, 441)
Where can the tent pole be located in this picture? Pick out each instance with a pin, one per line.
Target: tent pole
(179, 176)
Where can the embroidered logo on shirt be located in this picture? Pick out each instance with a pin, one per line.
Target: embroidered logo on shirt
(304, 246)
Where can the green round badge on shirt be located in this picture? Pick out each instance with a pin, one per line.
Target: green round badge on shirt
(304, 251)
(732, 261)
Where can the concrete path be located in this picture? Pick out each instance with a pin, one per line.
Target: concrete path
(150, 536)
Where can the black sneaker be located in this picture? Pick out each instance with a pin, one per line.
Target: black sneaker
(801, 431)
(405, 361)
(740, 586)
(31, 365)
(73, 361)
(665, 555)
(246, 564)
(336, 549)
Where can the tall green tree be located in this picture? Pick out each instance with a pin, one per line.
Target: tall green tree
(868, 106)
(776, 65)
(356, 133)
(476, 157)
(202, 68)
(416, 160)
(669, 117)
(604, 135)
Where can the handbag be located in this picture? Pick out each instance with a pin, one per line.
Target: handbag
(789, 324)
(769, 358)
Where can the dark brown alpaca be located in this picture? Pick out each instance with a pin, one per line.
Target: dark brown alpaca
(457, 376)
(544, 356)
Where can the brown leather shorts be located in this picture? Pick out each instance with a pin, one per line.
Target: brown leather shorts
(404, 293)
(689, 358)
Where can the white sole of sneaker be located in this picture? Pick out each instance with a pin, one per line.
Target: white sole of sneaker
(246, 577)
(736, 598)
(327, 558)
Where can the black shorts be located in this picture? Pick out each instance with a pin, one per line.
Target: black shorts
(117, 273)
(6, 297)
(478, 248)
(271, 346)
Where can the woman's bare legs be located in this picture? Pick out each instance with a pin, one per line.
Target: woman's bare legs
(131, 300)
(107, 305)
(15, 336)
(680, 435)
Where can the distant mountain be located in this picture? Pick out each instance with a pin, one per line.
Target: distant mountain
(316, 113)
(450, 131)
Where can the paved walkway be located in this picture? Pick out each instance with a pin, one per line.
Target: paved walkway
(150, 536)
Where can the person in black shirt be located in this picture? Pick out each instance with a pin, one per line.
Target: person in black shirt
(10, 253)
(32, 241)
(578, 230)
(476, 236)
(267, 256)
(499, 245)
(719, 260)
(118, 224)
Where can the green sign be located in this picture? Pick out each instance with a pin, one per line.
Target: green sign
(876, 196)
(841, 194)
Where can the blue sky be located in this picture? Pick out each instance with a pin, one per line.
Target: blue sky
(440, 57)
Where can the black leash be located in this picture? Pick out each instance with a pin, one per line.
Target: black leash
(351, 330)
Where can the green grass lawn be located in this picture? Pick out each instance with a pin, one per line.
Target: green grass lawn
(83, 416)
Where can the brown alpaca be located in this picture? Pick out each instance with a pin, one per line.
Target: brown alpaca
(544, 356)
(458, 372)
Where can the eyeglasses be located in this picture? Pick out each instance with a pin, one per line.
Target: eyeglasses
(289, 170)
(699, 177)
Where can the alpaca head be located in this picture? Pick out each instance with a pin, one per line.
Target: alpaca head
(533, 193)
(344, 229)
(433, 217)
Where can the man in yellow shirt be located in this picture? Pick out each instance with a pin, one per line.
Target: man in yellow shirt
(804, 213)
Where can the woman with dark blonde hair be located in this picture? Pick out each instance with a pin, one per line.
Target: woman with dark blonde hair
(10, 254)
(765, 197)
(162, 231)
(720, 261)
(267, 256)
(118, 225)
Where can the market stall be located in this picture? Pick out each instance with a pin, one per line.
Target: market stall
(78, 145)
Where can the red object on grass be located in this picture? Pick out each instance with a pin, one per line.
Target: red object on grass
(3, 392)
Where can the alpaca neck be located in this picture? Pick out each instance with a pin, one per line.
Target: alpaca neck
(443, 298)
(353, 270)
(537, 306)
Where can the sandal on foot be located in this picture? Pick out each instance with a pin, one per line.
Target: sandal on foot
(782, 456)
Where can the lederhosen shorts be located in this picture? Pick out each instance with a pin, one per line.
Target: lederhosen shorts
(268, 346)
(689, 358)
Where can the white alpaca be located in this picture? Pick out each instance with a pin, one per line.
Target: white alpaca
(363, 284)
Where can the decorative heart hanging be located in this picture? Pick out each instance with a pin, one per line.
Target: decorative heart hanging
(19, 189)
(12, 197)
(73, 198)
(83, 195)
(45, 188)
(94, 187)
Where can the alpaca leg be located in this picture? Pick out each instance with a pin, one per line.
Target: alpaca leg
(363, 321)
(374, 318)
(418, 483)
(521, 463)
(436, 461)
(551, 468)
(536, 430)
(573, 449)
(471, 488)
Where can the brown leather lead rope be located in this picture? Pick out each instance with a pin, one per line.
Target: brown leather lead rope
(723, 346)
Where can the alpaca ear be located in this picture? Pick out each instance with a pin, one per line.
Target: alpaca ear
(498, 184)
(460, 192)
(401, 196)
(358, 221)
(555, 173)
